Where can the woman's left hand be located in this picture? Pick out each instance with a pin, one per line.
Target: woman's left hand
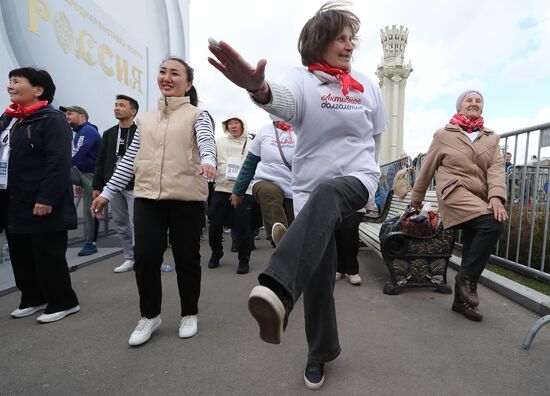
(41, 209)
(236, 200)
(209, 172)
(495, 204)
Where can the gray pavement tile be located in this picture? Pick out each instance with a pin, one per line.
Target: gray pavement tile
(409, 344)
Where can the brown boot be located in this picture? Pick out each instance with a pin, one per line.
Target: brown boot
(468, 289)
(468, 310)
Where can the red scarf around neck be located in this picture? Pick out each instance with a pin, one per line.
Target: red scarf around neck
(282, 126)
(467, 124)
(346, 80)
(15, 110)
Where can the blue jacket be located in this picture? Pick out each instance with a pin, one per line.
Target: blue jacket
(39, 171)
(85, 146)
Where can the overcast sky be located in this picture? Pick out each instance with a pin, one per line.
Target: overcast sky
(500, 47)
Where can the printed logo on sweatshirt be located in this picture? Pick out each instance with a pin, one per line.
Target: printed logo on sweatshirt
(330, 101)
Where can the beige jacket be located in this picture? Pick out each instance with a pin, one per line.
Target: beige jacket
(167, 165)
(228, 147)
(468, 174)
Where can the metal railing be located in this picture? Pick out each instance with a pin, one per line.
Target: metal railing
(523, 246)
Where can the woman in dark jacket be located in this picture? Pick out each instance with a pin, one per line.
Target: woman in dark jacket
(41, 208)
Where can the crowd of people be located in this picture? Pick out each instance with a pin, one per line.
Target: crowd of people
(312, 170)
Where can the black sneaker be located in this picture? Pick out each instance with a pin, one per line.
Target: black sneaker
(243, 267)
(215, 260)
(314, 375)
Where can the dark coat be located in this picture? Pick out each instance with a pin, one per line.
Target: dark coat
(105, 163)
(5, 121)
(39, 171)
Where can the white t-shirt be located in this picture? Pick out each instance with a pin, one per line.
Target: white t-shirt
(271, 167)
(335, 131)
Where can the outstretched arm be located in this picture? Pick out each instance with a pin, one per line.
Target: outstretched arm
(232, 65)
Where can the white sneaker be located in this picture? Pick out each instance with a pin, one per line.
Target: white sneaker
(188, 326)
(144, 330)
(53, 317)
(277, 233)
(354, 279)
(127, 265)
(338, 276)
(21, 313)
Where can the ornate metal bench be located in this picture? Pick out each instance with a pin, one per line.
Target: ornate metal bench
(413, 261)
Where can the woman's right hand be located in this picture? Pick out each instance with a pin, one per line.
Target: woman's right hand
(236, 69)
(236, 200)
(416, 204)
(97, 207)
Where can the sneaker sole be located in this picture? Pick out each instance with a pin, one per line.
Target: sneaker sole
(148, 338)
(29, 313)
(65, 314)
(278, 231)
(267, 309)
(120, 271)
(312, 385)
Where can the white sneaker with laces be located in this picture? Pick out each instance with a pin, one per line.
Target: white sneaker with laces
(144, 330)
(53, 317)
(188, 326)
(354, 279)
(338, 276)
(21, 313)
(277, 233)
(127, 265)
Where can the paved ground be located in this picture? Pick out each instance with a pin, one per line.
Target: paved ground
(410, 344)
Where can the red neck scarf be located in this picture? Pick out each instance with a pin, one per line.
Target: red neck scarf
(15, 110)
(282, 126)
(346, 80)
(467, 124)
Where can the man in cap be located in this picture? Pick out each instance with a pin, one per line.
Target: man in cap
(85, 146)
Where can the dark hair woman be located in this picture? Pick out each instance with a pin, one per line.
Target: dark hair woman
(172, 156)
(41, 208)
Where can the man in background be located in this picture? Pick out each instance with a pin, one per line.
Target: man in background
(85, 146)
(114, 143)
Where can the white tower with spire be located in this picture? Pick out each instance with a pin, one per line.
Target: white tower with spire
(392, 75)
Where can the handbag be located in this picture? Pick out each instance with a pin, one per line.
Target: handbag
(401, 182)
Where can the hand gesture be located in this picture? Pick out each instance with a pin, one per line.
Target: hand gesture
(236, 200)
(97, 207)
(41, 209)
(209, 172)
(235, 68)
(495, 204)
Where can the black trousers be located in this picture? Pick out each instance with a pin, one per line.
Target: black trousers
(305, 260)
(152, 221)
(479, 239)
(41, 271)
(347, 245)
(241, 219)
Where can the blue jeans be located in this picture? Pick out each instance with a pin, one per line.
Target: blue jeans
(305, 260)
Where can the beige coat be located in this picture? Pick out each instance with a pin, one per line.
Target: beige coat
(167, 165)
(468, 174)
(229, 147)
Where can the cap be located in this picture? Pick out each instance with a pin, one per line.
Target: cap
(76, 109)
